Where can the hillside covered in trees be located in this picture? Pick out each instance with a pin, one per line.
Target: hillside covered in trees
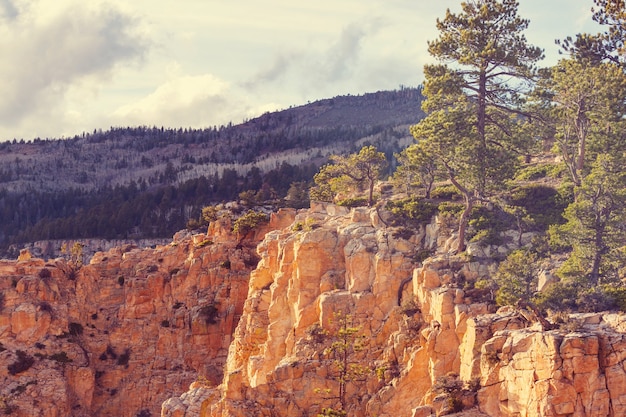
(150, 181)
(509, 147)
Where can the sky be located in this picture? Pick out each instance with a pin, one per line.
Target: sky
(72, 66)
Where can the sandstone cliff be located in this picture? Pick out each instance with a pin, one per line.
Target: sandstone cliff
(125, 332)
(252, 328)
(431, 343)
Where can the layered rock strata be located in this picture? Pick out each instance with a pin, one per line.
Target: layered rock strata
(420, 326)
(123, 333)
(254, 330)
(411, 318)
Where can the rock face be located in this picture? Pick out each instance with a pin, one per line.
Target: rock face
(410, 321)
(325, 308)
(429, 342)
(537, 373)
(125, 332)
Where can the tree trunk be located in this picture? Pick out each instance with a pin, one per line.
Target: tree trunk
(594, 275)
(482, 122)
(429, 186)
(370, 199)
(469, 205)
(582, 127)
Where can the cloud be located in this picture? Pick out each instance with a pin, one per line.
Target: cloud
(8, 10)
(344, 53)
(281, 65)
(320, 64)
(184, 100)
(48, 50)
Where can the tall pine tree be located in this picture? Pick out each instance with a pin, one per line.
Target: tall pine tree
(474, 97)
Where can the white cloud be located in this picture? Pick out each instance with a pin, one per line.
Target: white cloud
(8, 10)
(319, 67)
(184, 100)
(50, 46)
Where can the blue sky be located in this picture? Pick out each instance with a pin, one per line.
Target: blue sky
(70, 66)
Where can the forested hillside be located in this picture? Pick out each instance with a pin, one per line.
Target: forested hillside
(541, 151)
(135, 182)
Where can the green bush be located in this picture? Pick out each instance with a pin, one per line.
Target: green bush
(571, 296)
(209, 313)
(543, 204)
(451, 387)
(516, 277)
(410, 308)
(193, 224)
(75, 329)
(618, 293)
(450, 209)
(354, 202)
(485, 236)
(448, 384)
(316, 333)
(331, 412)
(560, 296)
(601, 298)
(247, 222)
(446, 192)
(124, 358)
(205, 242)
(23, 362)
(538, 171)
(412, 212)
(60, 357)
(209, 214)
(485, 225)
(532, 173)
(421, 255)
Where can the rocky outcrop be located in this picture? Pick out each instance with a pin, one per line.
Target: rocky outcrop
(429, 342)
(332, 263)
(125, 332)
(554, 373)
(333, 308)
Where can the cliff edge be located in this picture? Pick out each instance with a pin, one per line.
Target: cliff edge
(343, 314)
(125, 332)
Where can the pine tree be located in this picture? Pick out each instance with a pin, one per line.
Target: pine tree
(475, 95)
(345, 341)
(595, 228)
(584, 102)
(353, 172)
(417, 169)
(607, 46)
(516, 277)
